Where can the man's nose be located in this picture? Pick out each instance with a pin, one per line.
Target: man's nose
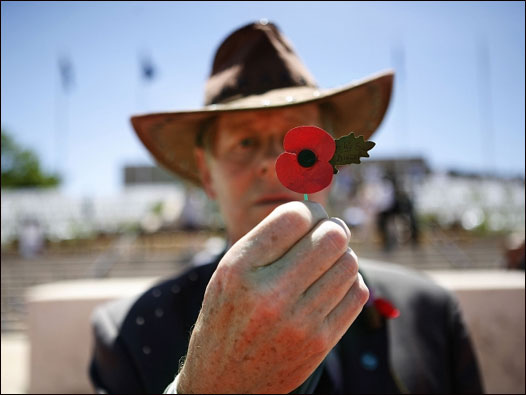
(272, 149)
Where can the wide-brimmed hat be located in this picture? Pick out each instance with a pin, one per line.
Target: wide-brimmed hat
(256, 69)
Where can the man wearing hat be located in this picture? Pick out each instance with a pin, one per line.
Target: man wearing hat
(285, 308)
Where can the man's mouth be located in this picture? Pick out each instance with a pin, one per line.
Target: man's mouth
(274, 200)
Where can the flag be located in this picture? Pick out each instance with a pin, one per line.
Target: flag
(66, 73)
(148, 70)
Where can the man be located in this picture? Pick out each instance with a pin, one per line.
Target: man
(284, 308)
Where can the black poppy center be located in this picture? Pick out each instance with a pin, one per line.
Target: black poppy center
(307, 158)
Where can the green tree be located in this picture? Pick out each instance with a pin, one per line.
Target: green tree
(21, 167)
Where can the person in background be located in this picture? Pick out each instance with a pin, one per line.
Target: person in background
(31, 238)
(285, 308)
(398, 204)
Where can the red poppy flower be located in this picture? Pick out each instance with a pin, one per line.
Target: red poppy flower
(305, 167)
(386, 308)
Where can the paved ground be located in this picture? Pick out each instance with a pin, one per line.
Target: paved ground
(15, 363)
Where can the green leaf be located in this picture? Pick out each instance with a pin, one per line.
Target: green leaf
(349, 149)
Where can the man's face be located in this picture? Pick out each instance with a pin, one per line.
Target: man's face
(240, 172)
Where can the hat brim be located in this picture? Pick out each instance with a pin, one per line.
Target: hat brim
(358, 107)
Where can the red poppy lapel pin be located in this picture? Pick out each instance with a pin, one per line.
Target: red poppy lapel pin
(311, 156)
(386, 308)
(383, 306)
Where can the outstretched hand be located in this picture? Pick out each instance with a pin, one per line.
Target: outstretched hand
(279, 300)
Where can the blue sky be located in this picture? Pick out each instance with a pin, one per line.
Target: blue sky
(440, 108)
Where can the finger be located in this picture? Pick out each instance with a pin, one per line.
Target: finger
(311, 257)
(277, 233)
(327, 292)
(345, 312)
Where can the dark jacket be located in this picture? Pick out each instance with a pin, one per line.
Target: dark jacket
(139, 343)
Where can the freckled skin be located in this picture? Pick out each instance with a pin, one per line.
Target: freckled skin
(287, 289)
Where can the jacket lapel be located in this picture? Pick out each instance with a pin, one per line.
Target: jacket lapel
(360, 362)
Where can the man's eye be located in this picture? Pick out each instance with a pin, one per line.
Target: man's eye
(247, 142)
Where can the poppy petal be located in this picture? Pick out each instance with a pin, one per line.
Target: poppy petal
(386, 308)
(312, 138)
(302, 179)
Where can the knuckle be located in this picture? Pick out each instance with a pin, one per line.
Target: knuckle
(222, 275)
(336, 236)
(268, 312)
(270, 305)
(343, 225)
(362, 292)
(354, 256)
(349, 263)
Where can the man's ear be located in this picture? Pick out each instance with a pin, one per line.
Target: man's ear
(204, 172)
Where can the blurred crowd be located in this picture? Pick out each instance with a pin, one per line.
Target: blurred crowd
(390, 202)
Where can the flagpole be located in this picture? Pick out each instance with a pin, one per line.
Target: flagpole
(58, 118)
(147, 74)
(140, 92)
(62, 113)
(398, 59)
(489, 162)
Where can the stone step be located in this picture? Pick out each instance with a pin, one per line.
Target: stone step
(165, 255)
